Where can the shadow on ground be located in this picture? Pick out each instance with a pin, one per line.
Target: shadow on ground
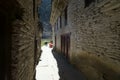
(67, 71)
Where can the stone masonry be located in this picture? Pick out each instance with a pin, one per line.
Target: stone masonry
(95, 37)
(21, 35)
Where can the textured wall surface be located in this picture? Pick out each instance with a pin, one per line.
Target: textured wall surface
(95, 31)
(21, 39)
(23, 51)
(24, 40)
(95, 38)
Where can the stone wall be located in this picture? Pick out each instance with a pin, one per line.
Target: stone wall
(57, 7)
(21, 36)
(95, 37)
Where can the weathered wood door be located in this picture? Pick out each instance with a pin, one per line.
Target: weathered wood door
(65, 44)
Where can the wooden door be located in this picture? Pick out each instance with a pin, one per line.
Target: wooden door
(67, 45)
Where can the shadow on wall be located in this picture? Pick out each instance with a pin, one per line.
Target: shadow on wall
(96, 68)
(9, 12)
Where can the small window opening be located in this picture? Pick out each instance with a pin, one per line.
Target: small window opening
(88, 2)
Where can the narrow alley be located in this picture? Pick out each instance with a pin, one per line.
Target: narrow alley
(53, 66)
(85, 35)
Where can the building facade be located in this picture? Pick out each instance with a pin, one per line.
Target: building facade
(87, 32)
(20, 39)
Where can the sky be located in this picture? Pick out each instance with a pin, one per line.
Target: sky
(45, 10)
(44, 13)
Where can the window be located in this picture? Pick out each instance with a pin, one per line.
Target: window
(88, 2)
(98, 1)
(56, 26)
(66, 16)
(34, 9)
(60, 22)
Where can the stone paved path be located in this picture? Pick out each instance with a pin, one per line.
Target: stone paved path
(66, 70)
(54, 66)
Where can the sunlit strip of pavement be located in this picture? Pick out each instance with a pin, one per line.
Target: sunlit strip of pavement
(47, 67)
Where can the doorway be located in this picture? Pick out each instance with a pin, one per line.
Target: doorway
(65, 44)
